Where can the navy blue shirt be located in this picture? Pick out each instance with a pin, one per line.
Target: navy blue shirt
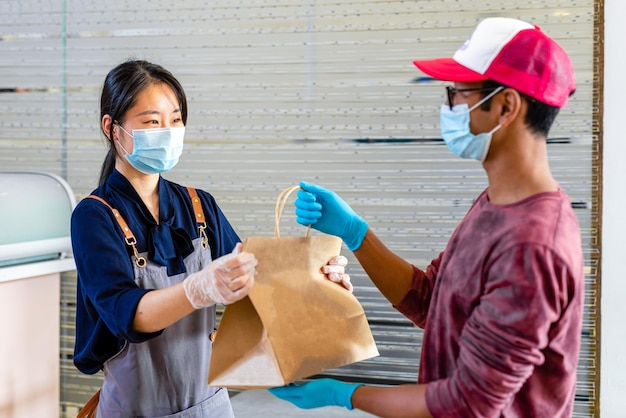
(107, 295)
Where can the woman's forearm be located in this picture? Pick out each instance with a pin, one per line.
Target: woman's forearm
(159, 309)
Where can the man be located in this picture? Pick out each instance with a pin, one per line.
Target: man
(502, 305)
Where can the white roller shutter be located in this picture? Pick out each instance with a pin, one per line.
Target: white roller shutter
(286, 90)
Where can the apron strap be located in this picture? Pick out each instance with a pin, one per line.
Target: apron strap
(131, 241)
(200, 220)
(89, 410)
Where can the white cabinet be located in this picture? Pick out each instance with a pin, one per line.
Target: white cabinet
(35, 210)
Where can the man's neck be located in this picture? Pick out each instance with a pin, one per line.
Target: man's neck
(514, 176)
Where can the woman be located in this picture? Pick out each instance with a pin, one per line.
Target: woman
(153, 259)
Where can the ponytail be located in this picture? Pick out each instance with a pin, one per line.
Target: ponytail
(107, 166)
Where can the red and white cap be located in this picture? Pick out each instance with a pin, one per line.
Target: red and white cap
(511, 52)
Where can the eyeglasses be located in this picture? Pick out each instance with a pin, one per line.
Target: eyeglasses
(451, 91)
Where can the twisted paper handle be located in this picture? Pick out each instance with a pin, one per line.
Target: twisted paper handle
(280, 206)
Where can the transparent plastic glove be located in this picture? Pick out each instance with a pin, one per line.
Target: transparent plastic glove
(325, 211)
(317, 393)
(335, 271)
(226, 280)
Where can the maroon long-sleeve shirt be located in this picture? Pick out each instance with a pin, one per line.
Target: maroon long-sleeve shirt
(502, 311)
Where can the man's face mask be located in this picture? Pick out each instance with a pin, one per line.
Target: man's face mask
(455, 130)
(155, 150)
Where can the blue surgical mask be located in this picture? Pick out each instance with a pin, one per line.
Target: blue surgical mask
(455, 130)
(155, 150)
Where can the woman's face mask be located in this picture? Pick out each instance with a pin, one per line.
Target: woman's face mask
(155, 150)
(455, 130)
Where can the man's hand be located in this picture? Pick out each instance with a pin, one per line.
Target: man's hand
(325, 211)
(317, 393)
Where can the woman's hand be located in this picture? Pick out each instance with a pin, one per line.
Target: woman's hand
(226, 280)
(335, 271)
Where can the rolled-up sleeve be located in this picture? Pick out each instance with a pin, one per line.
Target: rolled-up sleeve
(416, 302)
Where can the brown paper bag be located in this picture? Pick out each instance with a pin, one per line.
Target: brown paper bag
(295, 323)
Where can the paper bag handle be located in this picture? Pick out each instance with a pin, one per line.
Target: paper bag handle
(280, 206)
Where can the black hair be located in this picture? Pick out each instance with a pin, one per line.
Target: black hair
(539, 117)
(121, 87)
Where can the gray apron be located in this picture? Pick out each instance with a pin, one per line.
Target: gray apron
(167, 375)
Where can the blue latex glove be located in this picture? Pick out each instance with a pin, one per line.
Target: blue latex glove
(325, 211)
(317, 393)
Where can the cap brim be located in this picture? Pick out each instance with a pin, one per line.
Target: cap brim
(447, 69)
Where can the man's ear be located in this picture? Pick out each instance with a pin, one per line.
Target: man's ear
(511, 106)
